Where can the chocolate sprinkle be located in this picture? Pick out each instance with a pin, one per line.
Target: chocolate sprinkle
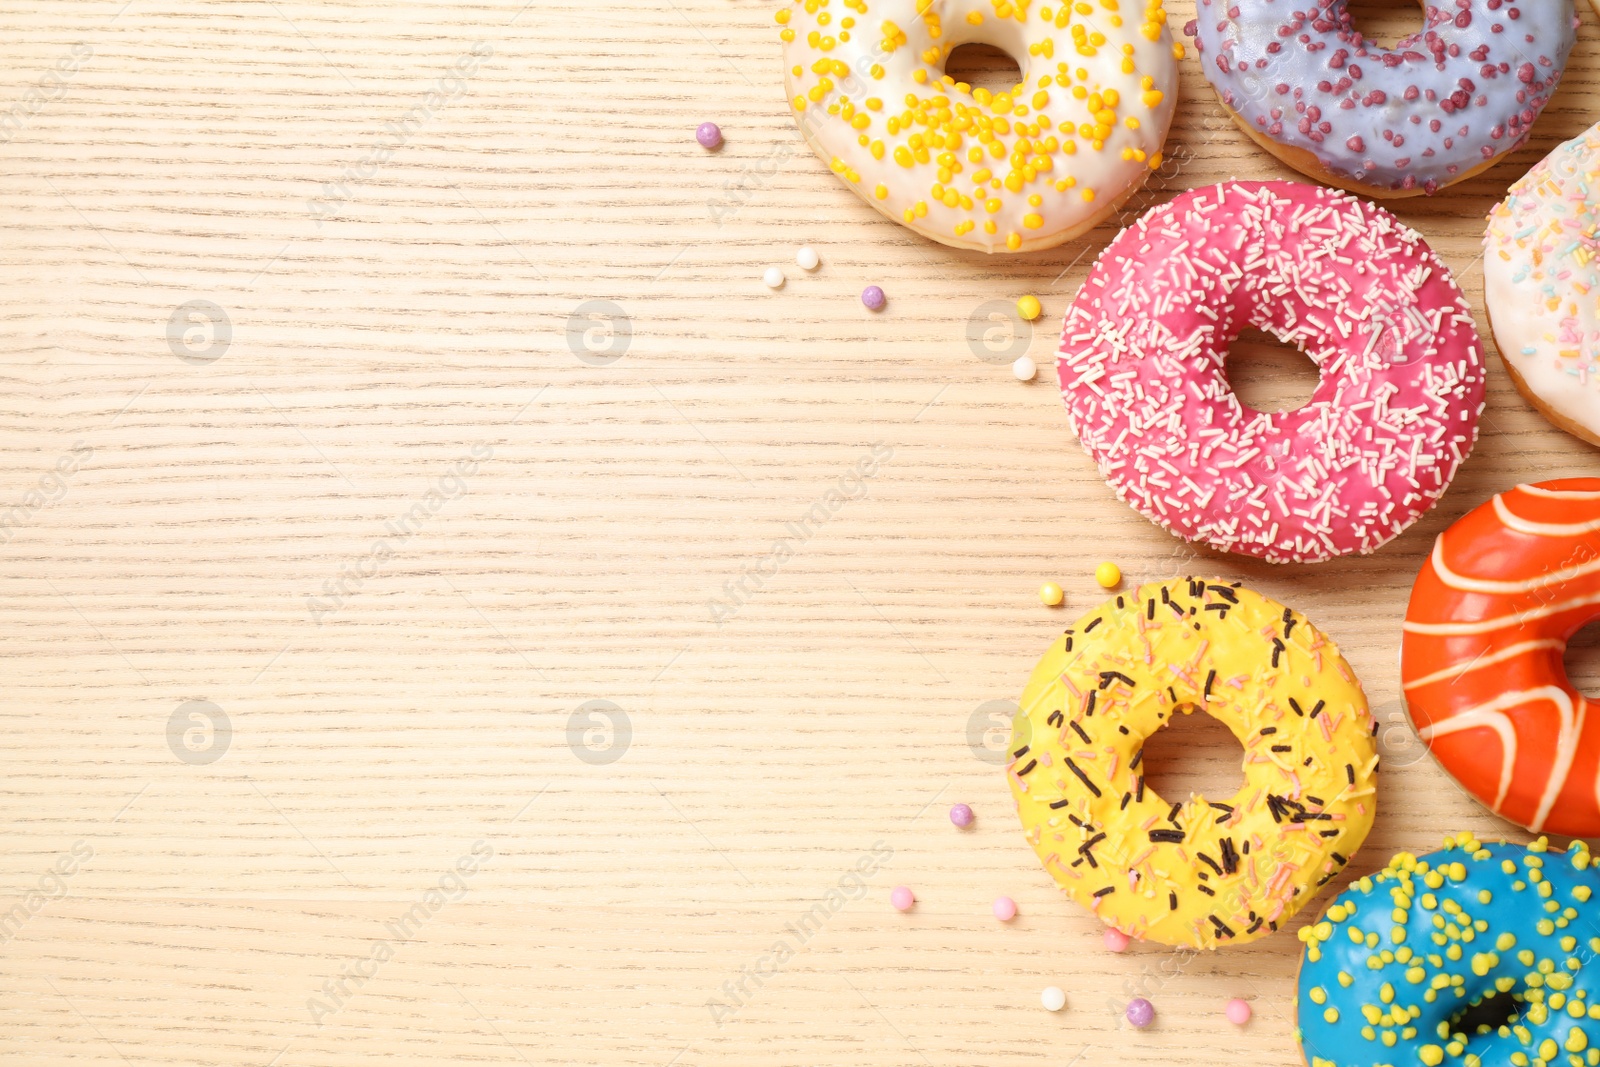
(1084, 778)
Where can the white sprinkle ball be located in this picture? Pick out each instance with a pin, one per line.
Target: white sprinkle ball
(773, 278)
(807, 258)
(1025, 369)
(1053, 998)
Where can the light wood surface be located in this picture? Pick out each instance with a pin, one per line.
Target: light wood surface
(400, 276)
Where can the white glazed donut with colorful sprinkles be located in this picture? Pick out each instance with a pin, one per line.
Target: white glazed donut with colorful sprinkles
(1144, 348)
(1541, 272)
(1438, 107)
(1012, 171)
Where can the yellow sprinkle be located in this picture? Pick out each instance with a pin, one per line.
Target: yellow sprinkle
(1029, 308)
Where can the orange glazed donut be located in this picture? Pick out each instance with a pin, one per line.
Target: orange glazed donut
(1485, 635)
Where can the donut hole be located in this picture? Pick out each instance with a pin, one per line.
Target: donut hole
(1193, 755)
(1583, 661)
(1268, 375)
(1493, 1011)
(1385, 23)
(983, 66)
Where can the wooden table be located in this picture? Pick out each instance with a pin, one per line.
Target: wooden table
(386, 384)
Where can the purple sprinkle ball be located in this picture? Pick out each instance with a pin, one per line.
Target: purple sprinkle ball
(709, 135)
(1141, 1013)
(961, 815)
(873, 297)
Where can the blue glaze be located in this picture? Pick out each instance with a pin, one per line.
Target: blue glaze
(1551, 964)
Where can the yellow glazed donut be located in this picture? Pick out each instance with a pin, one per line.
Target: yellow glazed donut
(1014, 171)
(1195, 872)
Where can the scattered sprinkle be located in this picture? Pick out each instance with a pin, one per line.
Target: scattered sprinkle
(709, 135)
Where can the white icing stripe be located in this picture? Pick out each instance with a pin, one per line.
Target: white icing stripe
(1472, 720)
(1566, 750)
(1459, 671)
(1492, 715)
(1542, 529)
(1464, 584)
(1557, 494)
(1499, 622)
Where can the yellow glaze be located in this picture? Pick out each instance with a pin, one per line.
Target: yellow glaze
(1198, 872)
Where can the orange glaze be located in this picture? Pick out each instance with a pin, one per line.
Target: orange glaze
(1485, 634)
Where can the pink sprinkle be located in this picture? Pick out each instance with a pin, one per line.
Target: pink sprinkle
(1238, 1011)
(1115, 940)
(1005, 909)
(902, 898)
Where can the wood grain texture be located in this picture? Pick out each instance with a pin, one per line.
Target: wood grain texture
(407, 281)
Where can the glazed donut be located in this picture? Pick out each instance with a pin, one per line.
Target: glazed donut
(1479, 954)
(1196, 871)
(1541, 276)
(1143, 371)
(1481, 662)
(1015, 171)
(1437, 108)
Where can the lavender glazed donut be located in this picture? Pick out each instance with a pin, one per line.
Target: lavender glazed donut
(1437, 108)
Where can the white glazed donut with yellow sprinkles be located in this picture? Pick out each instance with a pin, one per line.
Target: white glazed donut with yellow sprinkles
(1012, 171)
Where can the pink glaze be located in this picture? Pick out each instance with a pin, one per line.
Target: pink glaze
(1142, 371)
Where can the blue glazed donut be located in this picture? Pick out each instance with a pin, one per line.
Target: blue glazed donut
(1479, 955)
(1433, 110)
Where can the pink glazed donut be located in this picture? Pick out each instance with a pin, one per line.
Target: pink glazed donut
(1438, 107)
(1143, 371)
